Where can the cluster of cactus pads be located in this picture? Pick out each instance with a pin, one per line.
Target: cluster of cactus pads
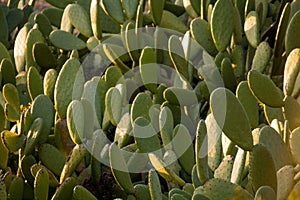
(150, 124)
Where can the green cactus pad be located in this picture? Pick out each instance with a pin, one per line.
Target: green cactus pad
(80, 192)
(291, 72)
(113, 76)
(25, 165)
(88, 118)
(113, 104)
(75, 121)
(113, 8)
(65, 22)
(234, 122)
(66, 41)
(54, 15)
(200, 31)
(163, 171)
(166, 125)
(130, 7)
(34, 83)
(291, 112)
(182, 145)
(222, 16)
(49, 83)
(69, 86)
(238, 57)
(249, 103)
(228, 74)
(2, 119)
(8, 71)
(262, 169)
(201, 151)
(94, 91)
(148, 69)
(44, 24)
(34, 35)
(140, 106)
(273, 113)
(16, 188)
(80, 19)
(215, 153)
(269, 94)
(11, 96)
(170, 21)
(142, 191)
(41, 184)
(237, 29)
(53, 182)
(154, 185)
(277, 148)
(12, 141)
(43, 56)
(65, 190)
(33, 135)
(217, 189)
(42, 107)
(177, 55)
(119, 169)
(281, 30)
(179, 96)
(52, 158)
(252, 28)
(292, 40)
(145, 136)
(11, 114)
(262, 57)
(156, 10)
(20, 50)
(96, 19)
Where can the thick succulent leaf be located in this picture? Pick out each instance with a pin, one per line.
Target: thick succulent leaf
(269, 94)
(66, 41)
(119, 168)
(217, 189)
(292, 40)
(252, 29)
(262, 169)
(231, 117)
(249, 103)
(69, 86)
(222, 16)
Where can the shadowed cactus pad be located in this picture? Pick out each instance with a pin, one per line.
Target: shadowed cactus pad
(222, 16)
(262, 168)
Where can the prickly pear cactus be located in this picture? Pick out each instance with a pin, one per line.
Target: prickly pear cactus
(150, 99)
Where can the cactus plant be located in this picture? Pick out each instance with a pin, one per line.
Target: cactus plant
(181, 99)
